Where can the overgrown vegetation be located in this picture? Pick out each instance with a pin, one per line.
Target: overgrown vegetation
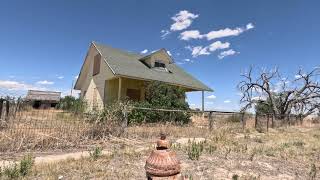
(95, 153)
(72, 104)
(14, 171)
(195, 150)
(161, 96)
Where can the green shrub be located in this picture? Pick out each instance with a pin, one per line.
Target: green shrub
(12, 172)
(195, 150)
(95, 153)
(161, 96)
(26, 165)
(72, 104)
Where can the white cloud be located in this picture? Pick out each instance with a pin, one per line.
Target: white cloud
(209, 102)
(169, 53)
(224, 33)
(76, 77)
(249, 26)
(198, 50)
(227, 101)
(164, 33)
(45, 82)
(229, 52)
(144, 51)
(182, 20)
(60, 77)
(218, 45)
(15, 85)
(211, 97)
(192, 34)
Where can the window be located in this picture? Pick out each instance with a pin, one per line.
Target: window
(133, 94)
(159, 64)
(96, 64)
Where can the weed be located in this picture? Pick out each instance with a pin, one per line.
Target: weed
(12, 172)
(235, 177)
(228, 151)
(95, 153)
(26, 165)
(313, 172)
(194, 150)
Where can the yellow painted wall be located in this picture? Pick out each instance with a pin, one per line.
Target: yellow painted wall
(157, 56)
(112, 87)
(95, 85)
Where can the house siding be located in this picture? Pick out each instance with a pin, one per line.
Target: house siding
(94, 86)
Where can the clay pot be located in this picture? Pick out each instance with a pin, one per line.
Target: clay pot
(162, 162)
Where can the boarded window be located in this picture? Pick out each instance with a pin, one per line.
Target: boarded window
(159, 64)
(96, 64)
(133, 94)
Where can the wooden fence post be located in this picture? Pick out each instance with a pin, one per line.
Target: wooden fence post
(7, 110)
(267, 122)
(124, 123)
(243, 120)
(1, 107)
(210, 120)
(255, 121)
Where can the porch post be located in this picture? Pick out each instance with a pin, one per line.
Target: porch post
(202, 101)
(119, 89)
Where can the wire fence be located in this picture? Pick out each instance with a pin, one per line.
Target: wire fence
(23, 128)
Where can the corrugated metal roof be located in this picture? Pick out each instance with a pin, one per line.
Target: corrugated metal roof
(43, 95)
(127, 64)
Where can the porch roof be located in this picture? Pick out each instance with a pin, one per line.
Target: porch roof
(128, 64)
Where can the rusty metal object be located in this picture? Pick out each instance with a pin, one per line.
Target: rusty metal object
(162, 162)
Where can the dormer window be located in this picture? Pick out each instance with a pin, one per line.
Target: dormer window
(159, 64)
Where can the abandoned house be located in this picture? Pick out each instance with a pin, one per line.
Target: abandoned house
(43, 99)
(110, 74)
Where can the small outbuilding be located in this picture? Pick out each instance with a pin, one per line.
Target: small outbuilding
(43, 99)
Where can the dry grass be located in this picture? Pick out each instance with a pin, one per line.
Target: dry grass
(286, 153)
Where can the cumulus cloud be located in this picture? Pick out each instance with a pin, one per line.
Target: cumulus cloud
(45, 82)
(211, 97)
(229, 52)
(144, 51)
(215, 34)
(200, 50)
(182, 20)
(218, 45)
(169, 53)
(224, 33)
(192, 34)
(20, 86)
(249, 26)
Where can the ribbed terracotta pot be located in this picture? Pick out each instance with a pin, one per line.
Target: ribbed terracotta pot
(162, 162)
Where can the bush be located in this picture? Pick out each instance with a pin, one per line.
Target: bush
(72, 104)
(161, 96)
(195, 150)
(15, 171)
(95, 153)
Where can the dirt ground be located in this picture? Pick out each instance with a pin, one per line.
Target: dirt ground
(228, 153)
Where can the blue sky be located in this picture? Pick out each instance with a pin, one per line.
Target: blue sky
(43, 43)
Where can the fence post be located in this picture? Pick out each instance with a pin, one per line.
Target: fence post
(243, 120)
(267, 122)
(255, 121)
(272, 121)
(7, 110)
(1, 107)
(210, 120)
(124, 123)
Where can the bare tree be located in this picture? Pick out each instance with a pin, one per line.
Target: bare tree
(300, 96)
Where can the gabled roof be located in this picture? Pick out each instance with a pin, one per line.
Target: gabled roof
(43, 95)
(128, 64)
